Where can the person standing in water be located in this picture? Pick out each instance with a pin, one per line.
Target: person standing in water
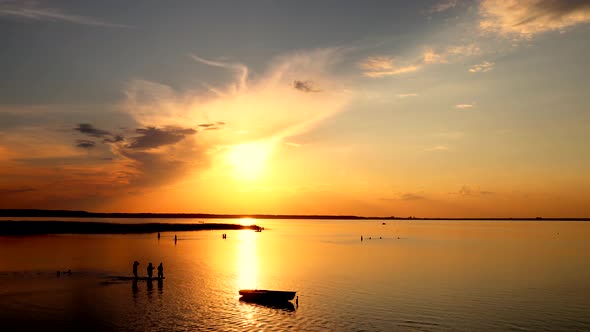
(160, 271)
(150, 270)
(135, 264)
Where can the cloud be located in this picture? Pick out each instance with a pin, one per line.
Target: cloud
(114, 139)
(465, 50)
(212, 126)
(90, 130)
(430, 56)
(404, 197)
(85, 144)
(411, 197)
(153, 137)
(32, 11)
(482, 67)
(464, 106)
(380, 66)
(240, 69)
(525, 18)
(407, 95)
(305, 86)
(469, 191)
(443, 6)
(266, 107)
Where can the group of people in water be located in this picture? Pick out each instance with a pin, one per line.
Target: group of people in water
(150, 270)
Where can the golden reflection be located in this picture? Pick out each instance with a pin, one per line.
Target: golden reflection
(247, 262)
(246, 221)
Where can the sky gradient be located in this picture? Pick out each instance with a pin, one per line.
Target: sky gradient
(378, 108)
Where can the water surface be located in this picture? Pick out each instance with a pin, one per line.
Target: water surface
(403, 276)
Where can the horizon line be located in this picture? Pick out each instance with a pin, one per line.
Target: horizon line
(86, 214)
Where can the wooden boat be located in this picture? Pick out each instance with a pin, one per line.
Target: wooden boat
(266, 296)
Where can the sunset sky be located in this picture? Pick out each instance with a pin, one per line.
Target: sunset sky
(426, 108)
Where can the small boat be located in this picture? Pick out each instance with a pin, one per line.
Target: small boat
(266, 296)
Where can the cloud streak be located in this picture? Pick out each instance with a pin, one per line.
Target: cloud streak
(381, 66)
(31, 11)
(443, 6)
(526, 18)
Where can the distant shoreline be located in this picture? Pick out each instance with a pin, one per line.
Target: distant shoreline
(14, 228)
(85, 214)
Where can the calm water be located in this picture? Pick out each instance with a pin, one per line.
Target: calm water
(420, 276)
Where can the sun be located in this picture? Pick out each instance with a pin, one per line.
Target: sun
(249, 159)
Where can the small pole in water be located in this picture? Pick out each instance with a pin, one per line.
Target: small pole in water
(297, 301)
(158, 235)
(361, 238)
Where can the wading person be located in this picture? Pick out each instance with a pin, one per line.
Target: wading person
(135, 265)
(150, 270)
(160, 271)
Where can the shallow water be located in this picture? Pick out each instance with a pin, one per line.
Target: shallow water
(410, 276)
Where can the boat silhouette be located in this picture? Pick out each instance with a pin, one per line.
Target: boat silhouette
(266, 296)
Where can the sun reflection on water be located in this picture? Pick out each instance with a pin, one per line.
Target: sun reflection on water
(247, 262)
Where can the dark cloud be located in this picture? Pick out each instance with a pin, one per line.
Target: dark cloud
(212, 126)
(85, 144)
(114, 139)
(153, 137)
(17, 190)
(305, 86)
(90, 130)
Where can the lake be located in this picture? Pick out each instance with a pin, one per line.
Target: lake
(403, 276)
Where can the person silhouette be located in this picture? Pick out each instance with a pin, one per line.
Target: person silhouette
(135, 265)
(160, 271)
(150, 270)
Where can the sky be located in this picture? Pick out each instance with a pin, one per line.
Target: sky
(449, 108)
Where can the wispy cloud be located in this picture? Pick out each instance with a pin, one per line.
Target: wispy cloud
(240, 69)
(32, 11)
(470, 191)
(380, 66)
(407, 95)
(464, 106)
(482, 67)
(430, 56)
(443, 6)
(525, 18)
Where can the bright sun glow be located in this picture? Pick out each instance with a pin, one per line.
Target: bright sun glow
(247, 221)
(249, 159)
